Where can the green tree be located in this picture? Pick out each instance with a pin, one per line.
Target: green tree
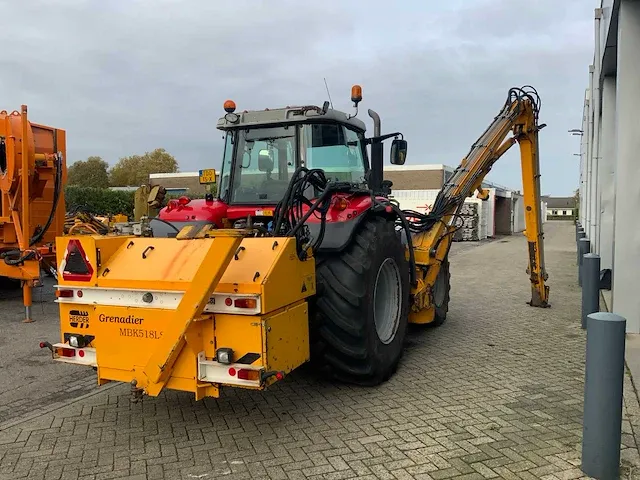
(91, 172)
(134, 170)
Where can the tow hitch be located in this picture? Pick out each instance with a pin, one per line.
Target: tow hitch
(264, 376)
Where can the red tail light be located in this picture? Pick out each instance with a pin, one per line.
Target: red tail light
(75, 265)
(64, 293)
(245, 303)
(66, 352)
(246, 374)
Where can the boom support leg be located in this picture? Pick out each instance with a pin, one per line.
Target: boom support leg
(27, 300)
(533, 217)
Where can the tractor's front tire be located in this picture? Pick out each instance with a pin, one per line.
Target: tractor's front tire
(360, 314)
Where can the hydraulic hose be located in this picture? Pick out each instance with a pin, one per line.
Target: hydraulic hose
(16, 261)
(16, 257)
(56, 198)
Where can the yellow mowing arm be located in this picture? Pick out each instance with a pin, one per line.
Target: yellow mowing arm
(519, 116)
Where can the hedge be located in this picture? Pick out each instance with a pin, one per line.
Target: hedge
(99, 201)
(102, 201)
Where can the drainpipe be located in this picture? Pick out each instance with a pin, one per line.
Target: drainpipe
(597, 92)
(589, 133)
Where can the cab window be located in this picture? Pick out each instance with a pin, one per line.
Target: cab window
(335, 149)
(265, 162)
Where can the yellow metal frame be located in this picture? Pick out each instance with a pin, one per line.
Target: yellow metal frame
(157, 370)
(162, 347)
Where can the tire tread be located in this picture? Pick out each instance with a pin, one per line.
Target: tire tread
(340, 328)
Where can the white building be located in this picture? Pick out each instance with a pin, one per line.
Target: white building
(560, 208)
(415, 187)
(610, 153)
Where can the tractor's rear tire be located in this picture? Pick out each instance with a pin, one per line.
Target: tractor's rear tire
(441, 294)
(359, 320)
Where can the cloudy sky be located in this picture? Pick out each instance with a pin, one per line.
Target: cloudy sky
(127, 76)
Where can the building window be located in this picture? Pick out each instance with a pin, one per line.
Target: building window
(176, 191)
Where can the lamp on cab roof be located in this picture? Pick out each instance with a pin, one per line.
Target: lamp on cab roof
(356, 94)
(229, 106)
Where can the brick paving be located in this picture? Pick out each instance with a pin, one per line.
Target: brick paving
(30, 383)
(494, 393)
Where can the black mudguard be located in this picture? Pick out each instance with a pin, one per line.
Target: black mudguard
(337, 235)
(162, 230)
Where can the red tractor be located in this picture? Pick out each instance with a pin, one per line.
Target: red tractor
(305, 171)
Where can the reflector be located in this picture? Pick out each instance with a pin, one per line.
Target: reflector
(75, 266)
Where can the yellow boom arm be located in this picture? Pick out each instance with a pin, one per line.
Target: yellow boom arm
(519, 116)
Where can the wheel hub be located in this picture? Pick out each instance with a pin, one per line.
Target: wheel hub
(387, 300)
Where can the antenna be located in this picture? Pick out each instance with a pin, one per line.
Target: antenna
(328, 94)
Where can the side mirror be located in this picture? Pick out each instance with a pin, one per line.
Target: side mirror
(398, 152)
(265, 163)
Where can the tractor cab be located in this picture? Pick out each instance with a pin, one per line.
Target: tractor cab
(264, 148)
(259, 162)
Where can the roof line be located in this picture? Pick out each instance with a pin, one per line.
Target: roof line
(409, 168)
(174, 175)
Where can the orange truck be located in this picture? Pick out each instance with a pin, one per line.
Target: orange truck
(32, 209)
